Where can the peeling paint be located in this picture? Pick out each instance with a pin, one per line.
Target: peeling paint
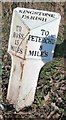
(14, 69)
(22, 66)
(26, 64)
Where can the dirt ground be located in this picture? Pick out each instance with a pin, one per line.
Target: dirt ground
(50, 97)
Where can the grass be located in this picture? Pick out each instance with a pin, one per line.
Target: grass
(53, 70)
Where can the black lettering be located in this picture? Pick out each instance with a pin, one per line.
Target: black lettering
(47, 40)
(31, 53)
(20, 11)
(47, 33)
(19, 50)
(43, 40)
(35, 52)
(53, 40)
(40, 47)
(13, 48)
(44, 32)
(45, 19)
(32, 17)
(37, 13)
(26, 17)
(29, 37)
(38, 53)
(22, 16)
(44, 54)
(18, 35)
(24, 11)
(14, 34)
(16, 42)
(18, 28)
(32, 38)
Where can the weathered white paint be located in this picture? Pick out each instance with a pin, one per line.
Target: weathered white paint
(31, 44)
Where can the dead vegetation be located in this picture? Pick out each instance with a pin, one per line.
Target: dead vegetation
(50, 97)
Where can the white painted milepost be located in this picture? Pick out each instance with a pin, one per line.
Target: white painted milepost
(32, 41)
